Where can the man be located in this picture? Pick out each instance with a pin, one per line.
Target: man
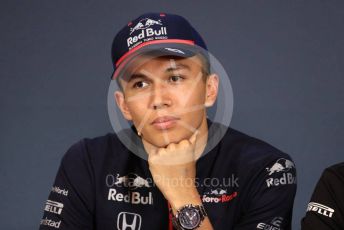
(163, 71)
(326, 208)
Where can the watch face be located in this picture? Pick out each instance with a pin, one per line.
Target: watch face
(189, 218)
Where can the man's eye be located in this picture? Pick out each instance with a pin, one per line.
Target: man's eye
(140, 84)
(176, 78)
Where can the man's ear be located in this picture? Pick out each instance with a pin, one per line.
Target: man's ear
(212, 86)
(121, 103)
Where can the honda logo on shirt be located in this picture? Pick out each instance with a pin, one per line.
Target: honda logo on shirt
(128, 221)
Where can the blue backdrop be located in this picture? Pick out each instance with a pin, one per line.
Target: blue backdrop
(285, 60)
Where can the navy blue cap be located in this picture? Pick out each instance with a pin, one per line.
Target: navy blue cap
(168, 34)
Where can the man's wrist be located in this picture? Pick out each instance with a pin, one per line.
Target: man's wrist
(189, 217)
(180, 201)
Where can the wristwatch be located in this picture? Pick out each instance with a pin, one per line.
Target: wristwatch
(188, 217)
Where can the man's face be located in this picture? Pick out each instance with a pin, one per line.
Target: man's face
(165, 97)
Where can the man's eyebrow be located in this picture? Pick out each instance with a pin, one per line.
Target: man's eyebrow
(136, 76)
(177, 66)
(169, 69)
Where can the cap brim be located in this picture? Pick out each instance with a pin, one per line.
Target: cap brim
(157, 50)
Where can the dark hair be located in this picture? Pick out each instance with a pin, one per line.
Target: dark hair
(205, 65)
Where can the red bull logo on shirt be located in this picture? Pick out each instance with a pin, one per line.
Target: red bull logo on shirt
(132, 181)
(288, 177)
(125, 185)
(130, 197)
(281, 165)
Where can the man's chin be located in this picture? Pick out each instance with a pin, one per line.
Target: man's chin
(162, 138)
(162, 141)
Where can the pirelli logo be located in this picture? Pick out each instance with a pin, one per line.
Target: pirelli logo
(321, 209)
(53, 207)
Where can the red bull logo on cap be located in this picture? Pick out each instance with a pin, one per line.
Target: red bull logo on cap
(144, 23)
(147, 32)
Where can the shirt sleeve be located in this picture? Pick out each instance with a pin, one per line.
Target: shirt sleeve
(325, 209)
(70, 203)
(271, 197)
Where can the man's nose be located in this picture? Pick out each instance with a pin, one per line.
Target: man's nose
(160, 97)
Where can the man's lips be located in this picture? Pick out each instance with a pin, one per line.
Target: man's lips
(164, 122)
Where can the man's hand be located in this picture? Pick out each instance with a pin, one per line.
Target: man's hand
(174, 170)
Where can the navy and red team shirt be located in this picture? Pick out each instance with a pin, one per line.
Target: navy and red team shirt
(244, 183)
